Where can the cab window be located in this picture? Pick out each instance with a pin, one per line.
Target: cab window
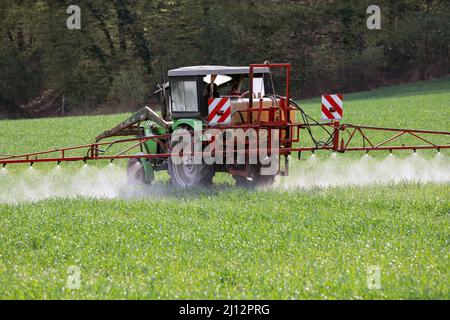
(184, 96)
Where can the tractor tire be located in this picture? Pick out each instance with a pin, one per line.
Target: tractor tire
(135, 172)
(187, 174)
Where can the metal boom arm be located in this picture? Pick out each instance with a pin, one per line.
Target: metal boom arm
(93, 151)
(130, 127)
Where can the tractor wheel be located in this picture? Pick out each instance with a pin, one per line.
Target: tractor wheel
(135, 172)
(187, 174)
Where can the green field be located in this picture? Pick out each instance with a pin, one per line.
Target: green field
(229, 243)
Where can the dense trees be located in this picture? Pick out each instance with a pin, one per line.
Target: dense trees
(115, 59)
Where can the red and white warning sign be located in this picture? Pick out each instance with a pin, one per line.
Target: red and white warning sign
(219, 111)
(332, 106)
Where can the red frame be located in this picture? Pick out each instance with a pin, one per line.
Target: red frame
(92, 150)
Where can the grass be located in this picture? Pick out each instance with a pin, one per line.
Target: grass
(228, 243)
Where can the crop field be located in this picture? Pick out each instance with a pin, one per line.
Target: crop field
(314, 235)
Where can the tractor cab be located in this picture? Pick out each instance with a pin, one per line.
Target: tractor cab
(190, 88)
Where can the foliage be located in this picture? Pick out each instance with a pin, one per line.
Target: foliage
(207, 245)
(128, 88)
(326, 41)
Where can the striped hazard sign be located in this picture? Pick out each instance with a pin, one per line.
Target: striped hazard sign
(219, 111)
(332, 106)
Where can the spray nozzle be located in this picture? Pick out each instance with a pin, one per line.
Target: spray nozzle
(31, 164)
(390, 151)
(4, 165)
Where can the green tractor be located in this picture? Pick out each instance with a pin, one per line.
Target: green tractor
(193, 100)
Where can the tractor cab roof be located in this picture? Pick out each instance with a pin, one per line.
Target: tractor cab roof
(219, 70)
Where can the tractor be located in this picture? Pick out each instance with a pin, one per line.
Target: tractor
(199, 98)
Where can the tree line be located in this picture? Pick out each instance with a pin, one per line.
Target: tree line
(115, 60)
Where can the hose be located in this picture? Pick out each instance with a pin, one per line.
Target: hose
(306, 120)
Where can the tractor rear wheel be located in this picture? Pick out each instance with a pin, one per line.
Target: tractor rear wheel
(187, 173)
(135, 172)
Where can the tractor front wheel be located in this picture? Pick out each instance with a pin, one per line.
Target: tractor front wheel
(135, 172)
